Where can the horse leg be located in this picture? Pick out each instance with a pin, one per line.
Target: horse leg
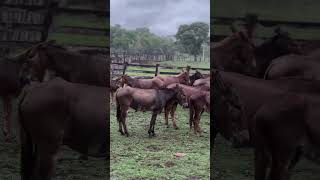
(196, 121)
(46, 162)
(167, 109)
(152, 123)
(260, 167)
(191, 116)
(280, 165)
(7, 114)
(173, 115)
(119, 118)
(124, 114)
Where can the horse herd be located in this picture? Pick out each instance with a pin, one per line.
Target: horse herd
(162, 93)
(267, 97)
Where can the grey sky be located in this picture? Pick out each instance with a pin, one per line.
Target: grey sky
(162, 17)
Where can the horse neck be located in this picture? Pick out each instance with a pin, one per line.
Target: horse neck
(63, 60)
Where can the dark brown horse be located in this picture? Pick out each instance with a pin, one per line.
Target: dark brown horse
(56, 113)
(115, 84)
(182, 78)
(304, 67)
(195, 76)
(253, 93)
(283, 129)
(153, 100)
(45, 59)
(279, 45)
(12, 80)
(234, 53)
(153, 83)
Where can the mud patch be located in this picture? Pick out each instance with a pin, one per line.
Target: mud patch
(169, 164)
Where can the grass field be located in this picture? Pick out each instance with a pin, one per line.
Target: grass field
(69, 167)
(140, 157)
(237, 164)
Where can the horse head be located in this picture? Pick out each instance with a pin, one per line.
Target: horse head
(284, 44)
(38, 60)
(184, 77)
(181, 97)
(227, 109)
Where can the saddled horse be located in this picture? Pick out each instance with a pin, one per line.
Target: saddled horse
(182, 78)
(234, 53)
(56, 113)
(46, 60)
(279, 45)
(153, 100)
(304, 67)
(153, 83)
(283, 130)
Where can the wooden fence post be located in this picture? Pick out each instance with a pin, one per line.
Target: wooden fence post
(157, 70)
(125, 65)
(188, 69)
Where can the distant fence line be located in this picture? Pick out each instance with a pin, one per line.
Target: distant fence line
(118, 69)
(219, 20)
(27, 22)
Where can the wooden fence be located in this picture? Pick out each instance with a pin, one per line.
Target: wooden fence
(123, 68)
(26, 22)
(266, 23)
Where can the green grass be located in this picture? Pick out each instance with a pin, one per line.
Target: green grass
(237, 164)
(141, 157)
(78, 39)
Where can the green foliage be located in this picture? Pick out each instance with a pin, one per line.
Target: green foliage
(191, 37)
(139, 40)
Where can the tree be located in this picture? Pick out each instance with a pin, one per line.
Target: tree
(192, 36)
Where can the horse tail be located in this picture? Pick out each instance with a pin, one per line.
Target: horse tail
(27, 156)
(118, 106)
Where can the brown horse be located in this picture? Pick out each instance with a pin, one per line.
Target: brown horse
(253, 93)
(198, 103)
(145, 100)
(203, 83)
(115, 84)
(171, 107)
(197, 75)
(12, 80)
(182, 78)
(234, 53)
(56, 113)
(45, 59)
(283, 129)
(305, 67)
(153, 83)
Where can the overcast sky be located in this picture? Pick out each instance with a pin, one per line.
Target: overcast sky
(162, 17)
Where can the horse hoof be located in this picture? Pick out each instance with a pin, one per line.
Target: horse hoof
(127, 134)
(168, 126)
(176, 128)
